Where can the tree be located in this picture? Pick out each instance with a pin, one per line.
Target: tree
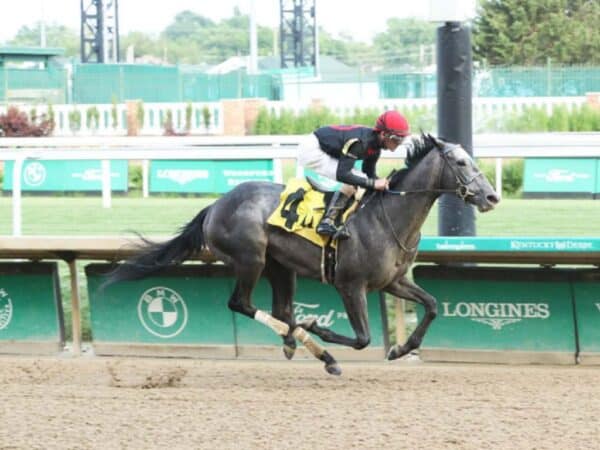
(405, 42)
(528, 32)
(56, 36)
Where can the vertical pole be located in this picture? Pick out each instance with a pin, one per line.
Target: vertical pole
(454, 64)
(106, 184)
(499, 176)
(145, 175)
(16, 200)
(253, 63)
(75, 309)
(400, 322)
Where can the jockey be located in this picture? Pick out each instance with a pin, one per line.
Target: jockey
(331, 151)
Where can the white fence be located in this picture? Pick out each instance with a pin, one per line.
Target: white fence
(498, 146)
(112, 118)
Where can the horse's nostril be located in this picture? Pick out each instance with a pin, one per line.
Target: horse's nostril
(493, 198)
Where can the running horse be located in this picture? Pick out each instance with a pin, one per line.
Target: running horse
(385, 232)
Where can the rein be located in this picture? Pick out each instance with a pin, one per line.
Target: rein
(462, 191)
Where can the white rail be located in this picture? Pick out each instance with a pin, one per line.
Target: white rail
(498, 146)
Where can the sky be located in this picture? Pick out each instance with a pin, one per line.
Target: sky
(362, 19)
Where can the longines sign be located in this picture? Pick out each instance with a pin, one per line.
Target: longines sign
(496, 315)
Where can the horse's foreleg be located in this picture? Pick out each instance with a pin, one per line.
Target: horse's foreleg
(406, 289)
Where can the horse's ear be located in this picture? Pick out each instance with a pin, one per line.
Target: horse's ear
(434, 141)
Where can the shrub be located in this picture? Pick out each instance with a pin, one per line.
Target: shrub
(188, 116)
(140, 113)
(50, 117)
(206, 116)
(92, 117)
(559, 119)
(75, 120)
(263, 122)
(114, 113)
(512, 175)
(135, 177)
(15, 123)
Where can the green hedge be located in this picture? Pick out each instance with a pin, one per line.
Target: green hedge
(531, 119)
(287, 122)
(536, 119)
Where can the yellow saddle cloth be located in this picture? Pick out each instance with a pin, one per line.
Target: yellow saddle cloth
(300, 211)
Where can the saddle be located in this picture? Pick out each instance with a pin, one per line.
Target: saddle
(301, 207)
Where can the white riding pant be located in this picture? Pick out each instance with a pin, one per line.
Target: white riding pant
(312, 157)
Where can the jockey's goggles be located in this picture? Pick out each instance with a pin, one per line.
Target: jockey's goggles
(396, 137)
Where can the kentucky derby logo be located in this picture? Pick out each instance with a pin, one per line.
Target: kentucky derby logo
(162, 312)
(6, 309)
(496, 315)
(35, 174)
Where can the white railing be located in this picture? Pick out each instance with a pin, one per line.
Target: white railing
(497, 146)
(112, 119)
(485, 111)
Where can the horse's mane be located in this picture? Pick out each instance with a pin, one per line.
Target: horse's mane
(420, 148)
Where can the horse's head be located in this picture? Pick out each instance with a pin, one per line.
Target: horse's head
(462, 175)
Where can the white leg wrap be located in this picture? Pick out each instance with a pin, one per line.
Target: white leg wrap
(311, 345)
(277, 326)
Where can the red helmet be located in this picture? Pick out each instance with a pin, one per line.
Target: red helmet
(392, 122)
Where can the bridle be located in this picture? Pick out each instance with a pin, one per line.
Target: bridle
(462, 191)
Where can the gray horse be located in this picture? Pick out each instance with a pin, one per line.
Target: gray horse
(385, 233)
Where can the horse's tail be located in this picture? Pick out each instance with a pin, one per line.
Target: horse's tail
(154, 257)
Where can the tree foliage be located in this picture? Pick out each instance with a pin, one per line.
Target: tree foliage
(406, 42)
(528, 32)
(56, 36)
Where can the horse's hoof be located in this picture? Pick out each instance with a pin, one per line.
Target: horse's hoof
(394, 353)
(333, 369)
(289, 351)
(308, 323)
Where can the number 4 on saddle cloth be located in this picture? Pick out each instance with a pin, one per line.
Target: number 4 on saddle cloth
(300, 209)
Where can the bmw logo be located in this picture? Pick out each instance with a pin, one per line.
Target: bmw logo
(162, 312)
(34, 174)
(6, 309)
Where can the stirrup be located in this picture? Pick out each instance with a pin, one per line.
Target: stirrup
(342, 233)
(326, 227)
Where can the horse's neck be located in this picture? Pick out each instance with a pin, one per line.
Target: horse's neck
(409, 212)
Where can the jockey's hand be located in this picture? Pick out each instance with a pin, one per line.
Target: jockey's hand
(382, 184)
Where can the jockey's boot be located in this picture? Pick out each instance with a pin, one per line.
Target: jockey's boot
(327, 224)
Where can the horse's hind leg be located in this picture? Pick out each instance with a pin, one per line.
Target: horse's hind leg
(247, 273)
(406, 289)
(283, 285)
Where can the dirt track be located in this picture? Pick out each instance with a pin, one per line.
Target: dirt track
(172, 404)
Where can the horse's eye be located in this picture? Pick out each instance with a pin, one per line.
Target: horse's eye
(461, 162)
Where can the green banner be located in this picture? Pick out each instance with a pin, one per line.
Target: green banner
(499, 309)
(597, 190)
(186, 305)
(30, 305)
(73, 176)
(560, 176)
(313, 299)
(207, 176)
(509, 244)
(586, 290)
